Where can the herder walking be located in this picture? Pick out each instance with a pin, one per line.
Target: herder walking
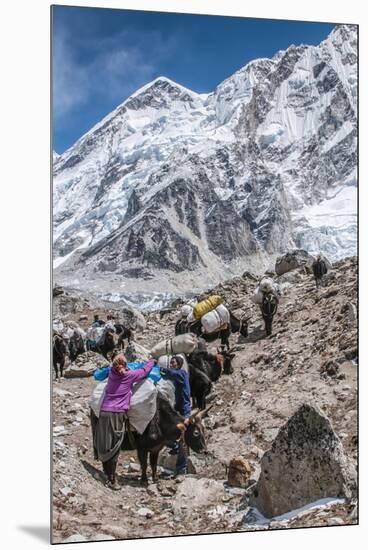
(109, 430)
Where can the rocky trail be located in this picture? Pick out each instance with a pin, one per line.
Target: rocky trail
(311, 358)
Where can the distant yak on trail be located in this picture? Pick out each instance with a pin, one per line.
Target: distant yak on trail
(320, 269)
(269, 308)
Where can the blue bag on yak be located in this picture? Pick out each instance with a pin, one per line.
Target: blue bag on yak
(102, 374)
(154, 375)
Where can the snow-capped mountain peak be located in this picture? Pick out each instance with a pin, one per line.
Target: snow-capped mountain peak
(178, 182)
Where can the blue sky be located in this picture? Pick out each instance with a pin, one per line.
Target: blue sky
(101, 56)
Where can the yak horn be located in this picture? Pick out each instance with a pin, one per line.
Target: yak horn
(201, 414)
(194, 413)
(181, 426)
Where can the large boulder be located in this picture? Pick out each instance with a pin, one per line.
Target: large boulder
(305, 463)
(65, 303)
(136, 352)
(57, 290)
(85, 365)
(197, 493)
(292, 260)
(131, 318)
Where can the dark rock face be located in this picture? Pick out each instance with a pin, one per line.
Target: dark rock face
(305, 463)
(113, 171)
(171, 229)
(157, 95)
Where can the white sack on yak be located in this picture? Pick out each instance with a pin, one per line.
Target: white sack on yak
(166, 389)
(164, 361)
(184, 343)
(143, 404)
(215, 319)
(266, 285)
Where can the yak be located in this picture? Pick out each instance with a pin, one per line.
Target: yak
(269, 309)
(106, 347)
(199, 381)
(76, 346)
(319, 268)
(123, 333)
(166, 426)
(205, 368)
(235, 325)
(59, 354)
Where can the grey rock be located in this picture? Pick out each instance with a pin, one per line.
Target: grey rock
(134, 468)
(197, 493)
(136, 352)
(249, 275)
(145, 512)
(85, 365)
(305, 463)
(66, 491)
(131, 318)
(290, 278)
(58, 430)
(60, 392)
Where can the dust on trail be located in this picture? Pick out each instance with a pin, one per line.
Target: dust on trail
(310, 357)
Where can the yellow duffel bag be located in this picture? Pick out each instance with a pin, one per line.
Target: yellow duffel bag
(206, 306)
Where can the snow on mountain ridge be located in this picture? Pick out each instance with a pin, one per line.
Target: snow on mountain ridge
(272, 139)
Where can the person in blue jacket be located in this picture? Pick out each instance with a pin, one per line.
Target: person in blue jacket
(183, 406)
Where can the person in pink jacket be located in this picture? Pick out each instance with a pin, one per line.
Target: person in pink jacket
(109, 432)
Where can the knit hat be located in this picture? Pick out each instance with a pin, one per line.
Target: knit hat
(179, 360)
(118, 362)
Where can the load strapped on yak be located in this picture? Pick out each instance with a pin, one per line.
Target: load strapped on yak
(211, 312)
(216, 319)
(207, 305)
(184, 343)
(143, 403)
(266, 286)
(164, 361)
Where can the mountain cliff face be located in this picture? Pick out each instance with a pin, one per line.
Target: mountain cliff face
(186, 186)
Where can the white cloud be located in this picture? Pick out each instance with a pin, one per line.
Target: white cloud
(116, 67)
(69, 79)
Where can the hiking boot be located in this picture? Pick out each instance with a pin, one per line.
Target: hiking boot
(174, 449)
(112, 485)
(180, 474)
